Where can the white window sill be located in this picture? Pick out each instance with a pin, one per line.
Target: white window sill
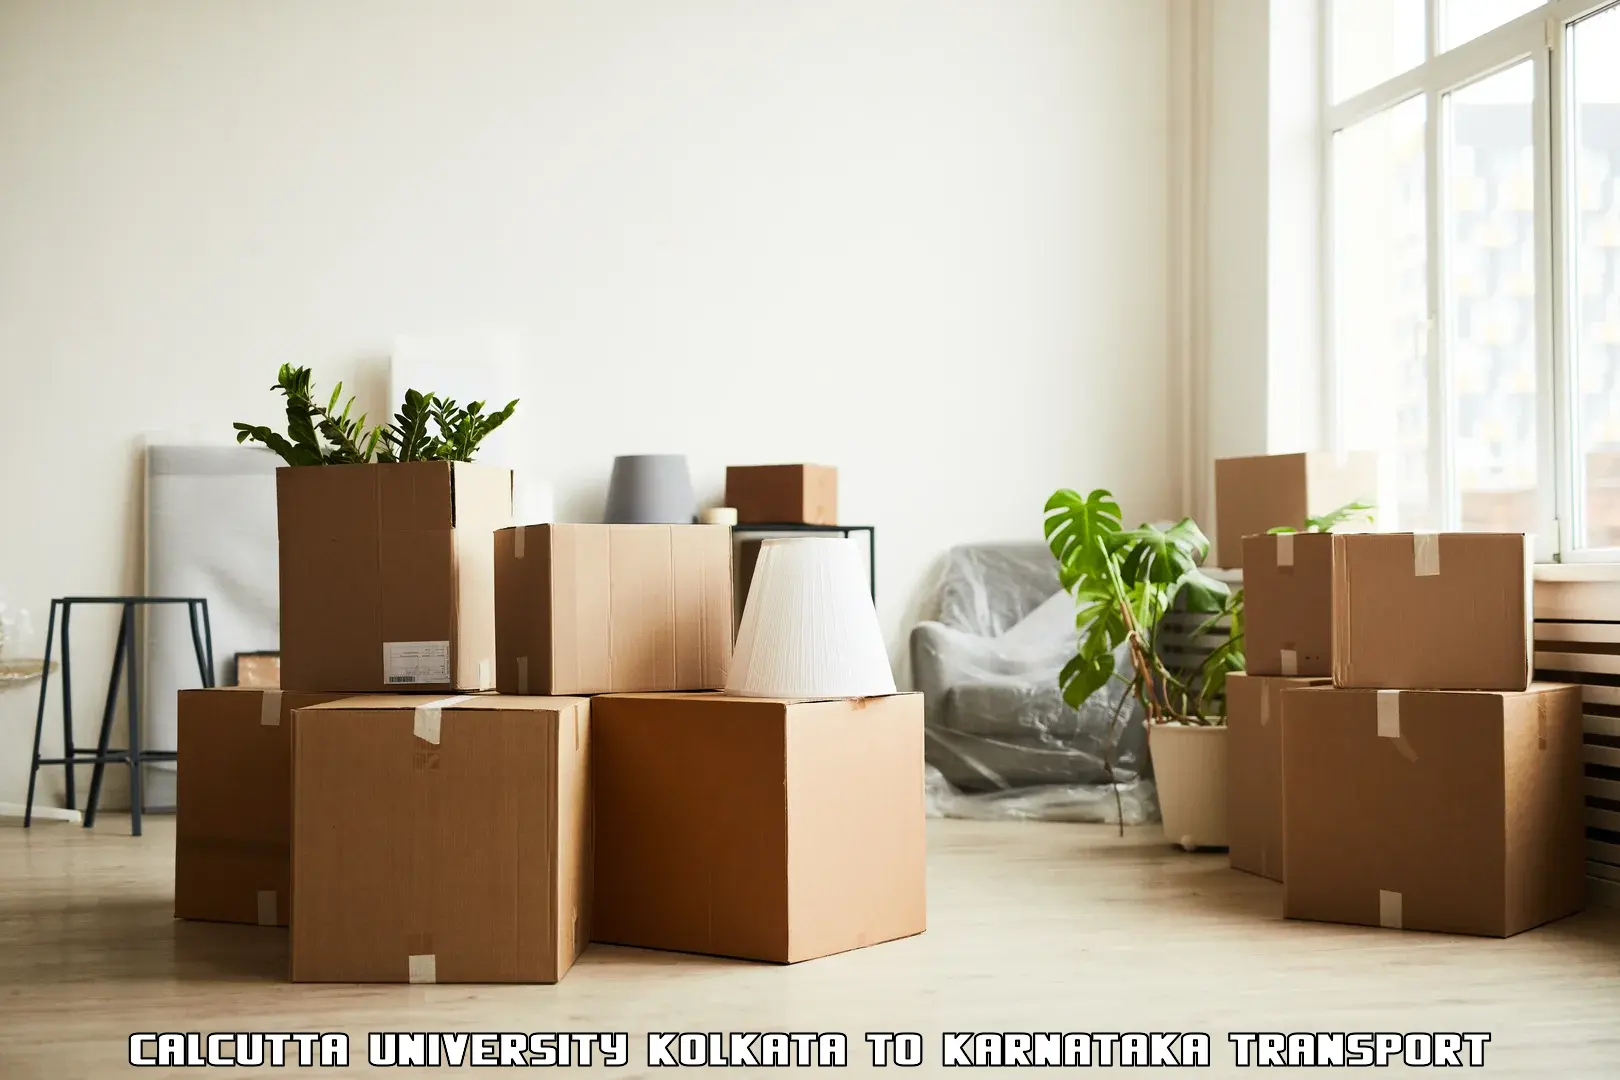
(1592, 571)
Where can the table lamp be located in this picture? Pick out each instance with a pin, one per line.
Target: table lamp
(650, 489)
(809, 629)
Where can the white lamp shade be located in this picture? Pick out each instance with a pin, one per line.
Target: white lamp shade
(809, 628)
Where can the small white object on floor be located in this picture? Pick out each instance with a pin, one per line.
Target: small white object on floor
(42, 813)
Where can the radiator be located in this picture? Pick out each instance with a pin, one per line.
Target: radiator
(1578, 641)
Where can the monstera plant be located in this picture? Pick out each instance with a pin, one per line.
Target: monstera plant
(426, 428)
(1124, 582)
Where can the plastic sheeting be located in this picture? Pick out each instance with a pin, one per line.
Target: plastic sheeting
(1001, 743)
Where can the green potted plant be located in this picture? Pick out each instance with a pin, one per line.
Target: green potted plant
(426, 428)
(1124, 582)
(385, 552)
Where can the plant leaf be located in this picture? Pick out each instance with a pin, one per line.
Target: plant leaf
(1078, 530)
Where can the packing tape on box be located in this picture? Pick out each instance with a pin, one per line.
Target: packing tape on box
(1288, 661)
(1425, 554)
(267, 907)
(1389, 909)
(426, 720)
(517, 542)
(486, 674)
(1389, 722)
(1265, 707)
(523, 674)
(424, 969)
(1285, 549)
(1389, 714)
(270, 708)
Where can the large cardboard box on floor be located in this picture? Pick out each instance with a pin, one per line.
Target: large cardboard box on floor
(783, 494)
(440, 840)
(777, 830)
(1288, 604)
(1432, 611)
(233, 818)
(593, 609)
(1445, 811)
(387, 575)
(1254, 495)
(1254, 772)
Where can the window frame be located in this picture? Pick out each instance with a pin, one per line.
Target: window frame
(1540, 37)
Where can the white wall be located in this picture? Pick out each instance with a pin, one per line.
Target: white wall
(924, 240)
(1238, 205)
(1263, 231)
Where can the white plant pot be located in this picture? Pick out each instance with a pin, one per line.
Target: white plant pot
(1189, 767)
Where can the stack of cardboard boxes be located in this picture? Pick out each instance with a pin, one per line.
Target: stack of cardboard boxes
(412, 824)
(1391, 761)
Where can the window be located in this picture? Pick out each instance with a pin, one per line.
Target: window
(1474, 261)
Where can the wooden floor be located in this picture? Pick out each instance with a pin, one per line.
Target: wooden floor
(1032, 928)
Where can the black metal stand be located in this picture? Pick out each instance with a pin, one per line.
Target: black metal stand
(124, 654)
(741, 532)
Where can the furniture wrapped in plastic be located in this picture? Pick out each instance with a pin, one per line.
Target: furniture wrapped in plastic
(1001, 742)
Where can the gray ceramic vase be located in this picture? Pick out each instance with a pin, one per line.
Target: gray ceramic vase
(650, 489)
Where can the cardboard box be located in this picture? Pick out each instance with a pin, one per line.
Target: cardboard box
(1452, 812)
(440, 839)
(1254, 772)
(387, 575)
(1288, 604)
(589, 609)
(233, 819)
(783, 494)
(260, 670)
(1432, 611)
(777, 830)
(1254, 495)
